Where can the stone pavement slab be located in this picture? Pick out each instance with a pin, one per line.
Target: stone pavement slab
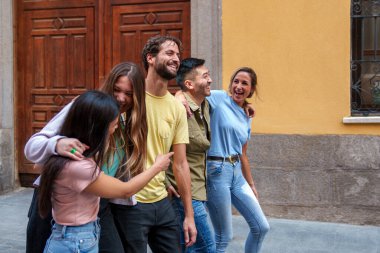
(295, 236)
(13, 212)
(285, 236)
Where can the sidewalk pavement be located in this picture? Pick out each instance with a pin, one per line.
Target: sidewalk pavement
(285, 236)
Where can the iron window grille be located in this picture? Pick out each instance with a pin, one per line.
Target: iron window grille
(365, 57)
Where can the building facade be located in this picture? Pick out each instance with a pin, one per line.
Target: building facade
(313, 157)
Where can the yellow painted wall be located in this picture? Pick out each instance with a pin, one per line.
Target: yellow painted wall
(300, 50)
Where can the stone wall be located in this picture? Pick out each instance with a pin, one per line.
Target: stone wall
(326, 178)
(206, 33)
(7, 169)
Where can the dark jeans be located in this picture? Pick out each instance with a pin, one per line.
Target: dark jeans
(153, 223)
(39, 230)
(109, 241)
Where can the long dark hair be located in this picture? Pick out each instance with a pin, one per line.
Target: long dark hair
(88, 121)
(136, 127)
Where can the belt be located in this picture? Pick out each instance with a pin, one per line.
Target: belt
(231, 158)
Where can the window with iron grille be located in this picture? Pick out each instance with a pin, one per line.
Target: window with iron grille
(365, 57)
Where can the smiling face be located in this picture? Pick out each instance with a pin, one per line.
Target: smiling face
(241, 87)
(166, 62)
(123, 93)
(201, 83)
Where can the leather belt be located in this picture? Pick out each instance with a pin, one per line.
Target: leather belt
(231, 158)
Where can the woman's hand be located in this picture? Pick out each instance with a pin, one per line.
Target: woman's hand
(162, 162)
(253, 187)
(249, 110)
(71, 148)
(181, 98)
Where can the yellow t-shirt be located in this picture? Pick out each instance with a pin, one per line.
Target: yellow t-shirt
(167, 125)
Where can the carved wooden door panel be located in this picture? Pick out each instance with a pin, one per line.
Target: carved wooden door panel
(57, 65)
(133, 24)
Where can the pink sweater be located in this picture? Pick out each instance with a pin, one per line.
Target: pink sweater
(71, 205)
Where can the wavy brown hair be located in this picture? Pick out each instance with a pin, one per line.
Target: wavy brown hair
(135, 132)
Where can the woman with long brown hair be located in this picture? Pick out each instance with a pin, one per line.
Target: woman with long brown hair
(229, 178)
(126, 84)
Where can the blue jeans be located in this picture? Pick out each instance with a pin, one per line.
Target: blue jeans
(39, 230)
(75, 239)
(226, 185)
(205, 237)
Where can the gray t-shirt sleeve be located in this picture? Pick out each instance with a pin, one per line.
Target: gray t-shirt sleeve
(42, 144)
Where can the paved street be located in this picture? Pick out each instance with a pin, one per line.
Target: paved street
(285, 236)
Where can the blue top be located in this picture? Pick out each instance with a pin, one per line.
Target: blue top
(230, 126)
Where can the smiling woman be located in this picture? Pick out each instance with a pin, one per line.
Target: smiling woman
(123, 92)
(229, 178)
(243, 85)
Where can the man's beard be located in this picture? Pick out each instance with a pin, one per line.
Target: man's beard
(163, 72)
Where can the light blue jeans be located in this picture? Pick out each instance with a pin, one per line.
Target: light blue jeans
(205, 237)
(226, 185)
(75, 239)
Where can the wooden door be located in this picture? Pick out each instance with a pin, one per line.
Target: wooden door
(65, 47)
(131, 25)
(56, 62)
